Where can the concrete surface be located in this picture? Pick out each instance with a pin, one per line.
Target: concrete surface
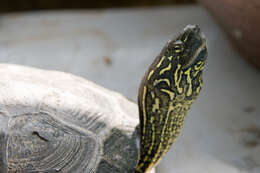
(114, 48)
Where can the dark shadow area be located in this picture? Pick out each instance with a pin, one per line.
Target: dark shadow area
(29, 5)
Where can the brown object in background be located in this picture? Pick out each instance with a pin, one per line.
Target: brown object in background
(241, 20)
(20, 5)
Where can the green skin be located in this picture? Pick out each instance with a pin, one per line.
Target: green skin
(170, 86)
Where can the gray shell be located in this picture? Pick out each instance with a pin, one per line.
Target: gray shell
(56, 122)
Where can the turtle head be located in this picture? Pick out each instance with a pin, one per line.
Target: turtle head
(189, 54)
(170, 86)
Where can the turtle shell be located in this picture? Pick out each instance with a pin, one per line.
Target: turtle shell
(56, 122)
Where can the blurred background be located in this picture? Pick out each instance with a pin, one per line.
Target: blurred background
(112, 42)
(239, 18)
(18, 5)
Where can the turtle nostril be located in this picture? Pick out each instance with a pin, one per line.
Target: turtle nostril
(196, 29)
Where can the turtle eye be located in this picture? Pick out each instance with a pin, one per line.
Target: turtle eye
(178, 46)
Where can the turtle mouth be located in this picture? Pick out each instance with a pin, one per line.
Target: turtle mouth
(198, 45)
(196, 55)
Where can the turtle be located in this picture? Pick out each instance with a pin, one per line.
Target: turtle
(54, 121)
